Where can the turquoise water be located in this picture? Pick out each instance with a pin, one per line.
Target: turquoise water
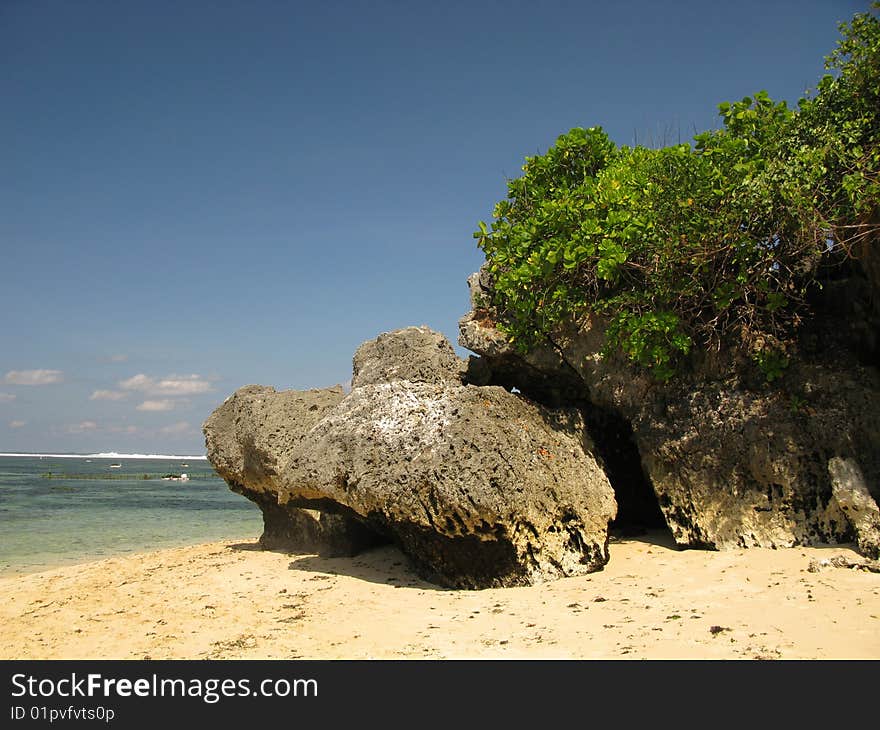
(89, 510)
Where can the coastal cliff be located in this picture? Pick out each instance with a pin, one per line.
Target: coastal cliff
(732, 460)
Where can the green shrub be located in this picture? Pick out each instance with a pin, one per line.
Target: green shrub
(698, 244)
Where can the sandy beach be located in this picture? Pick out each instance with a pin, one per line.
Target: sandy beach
(231, 600)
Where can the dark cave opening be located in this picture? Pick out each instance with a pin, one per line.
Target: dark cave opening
(638, 509)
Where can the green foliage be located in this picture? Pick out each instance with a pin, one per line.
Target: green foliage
(695, 244)
(797, 404)
(771, 362)
(652, 340)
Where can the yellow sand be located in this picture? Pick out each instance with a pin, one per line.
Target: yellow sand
(232, 600)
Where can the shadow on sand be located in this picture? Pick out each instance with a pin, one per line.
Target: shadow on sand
(385, 564)
(659, 537)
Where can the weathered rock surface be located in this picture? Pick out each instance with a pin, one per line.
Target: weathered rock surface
(852, 495)
(248, 438)
(731, 462)
(732, 468)
(480, 487)
(417, 354)
(841, 561)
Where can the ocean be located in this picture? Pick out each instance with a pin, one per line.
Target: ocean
(58, 509)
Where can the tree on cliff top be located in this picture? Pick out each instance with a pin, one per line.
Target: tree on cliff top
(697, 245)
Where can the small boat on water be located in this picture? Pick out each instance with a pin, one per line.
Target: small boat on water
(115, 466)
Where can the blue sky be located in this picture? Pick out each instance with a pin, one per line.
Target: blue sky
(199, 195)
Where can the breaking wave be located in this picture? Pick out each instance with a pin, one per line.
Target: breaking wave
(113, 455)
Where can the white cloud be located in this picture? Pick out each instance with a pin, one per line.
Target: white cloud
(33, 377)
(118, 358)
(183, 385)
(176, 429)
(16, 424)
(172, 385)
(108, 395)
(166, 404)
(82, 427)
(137, 382)
(6, 397)
(123, 429)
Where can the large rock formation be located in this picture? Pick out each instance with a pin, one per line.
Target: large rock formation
(479, 486)
(508, 468)
(248, 439)
(731, 460)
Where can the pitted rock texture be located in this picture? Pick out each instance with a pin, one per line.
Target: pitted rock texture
(247, 440)
(249, 435)
(732, 461)
(480, 487)
(733, 468)
(852, 495)
(417, 354)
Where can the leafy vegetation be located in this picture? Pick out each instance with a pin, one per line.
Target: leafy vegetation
(697, 245)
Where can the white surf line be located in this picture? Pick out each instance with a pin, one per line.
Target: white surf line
(111, 455)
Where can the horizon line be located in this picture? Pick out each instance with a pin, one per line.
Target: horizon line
(108, 455)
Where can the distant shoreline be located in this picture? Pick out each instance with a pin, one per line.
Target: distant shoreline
(107, 455)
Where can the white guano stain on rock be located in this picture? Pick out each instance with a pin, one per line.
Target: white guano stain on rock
(407, 421)
(405, 414)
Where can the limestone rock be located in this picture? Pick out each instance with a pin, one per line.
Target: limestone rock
(732, 468)
(480, 487)
(842, 561)
(852, 495)
(731, 462)
(248, 439)
(417, 354)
